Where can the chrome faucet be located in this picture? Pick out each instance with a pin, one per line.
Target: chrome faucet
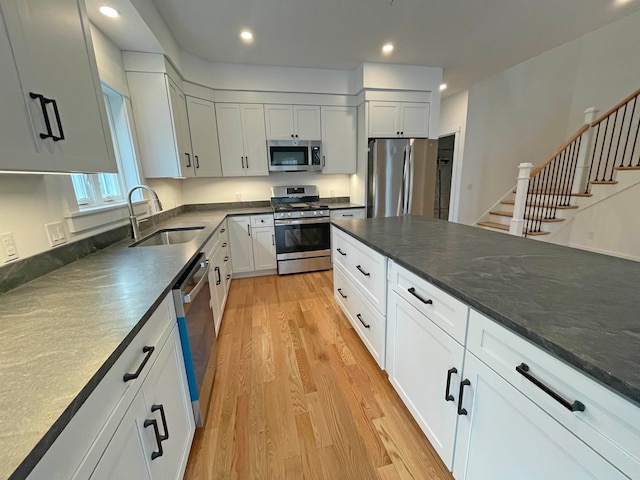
(135, 226)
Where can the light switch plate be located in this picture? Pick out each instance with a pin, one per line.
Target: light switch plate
(55, 233)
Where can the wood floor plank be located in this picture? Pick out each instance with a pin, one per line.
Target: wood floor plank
(297, 395)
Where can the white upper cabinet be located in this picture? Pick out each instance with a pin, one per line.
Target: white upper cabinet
(398, 119)
(339, 139)
(292, 122)
(243, 143)
(204, 137)
(53, 113)
(159, 110)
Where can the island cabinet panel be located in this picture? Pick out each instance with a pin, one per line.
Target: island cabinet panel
(424, 365)
(446, 311)
(366, 268)
(368, 323)
(503, 434)
(609, 424)
(348, 213)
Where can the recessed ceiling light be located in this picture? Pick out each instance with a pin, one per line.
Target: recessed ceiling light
(246, 35)
(443, 86)
(388, 48)
(109, 11)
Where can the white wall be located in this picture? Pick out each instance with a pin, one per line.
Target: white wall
(453, 119)
(203, 190)
(525, 112)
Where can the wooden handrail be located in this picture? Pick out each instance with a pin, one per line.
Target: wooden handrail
(565, 145)
(614, 109)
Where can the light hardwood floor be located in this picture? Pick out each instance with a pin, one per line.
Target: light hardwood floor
(297, 394)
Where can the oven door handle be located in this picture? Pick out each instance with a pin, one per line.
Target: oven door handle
(302, 221)
(188, 297)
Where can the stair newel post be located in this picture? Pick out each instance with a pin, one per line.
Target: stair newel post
(522, 188)
(580, 179)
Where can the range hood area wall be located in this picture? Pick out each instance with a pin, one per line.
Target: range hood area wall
(203, 190)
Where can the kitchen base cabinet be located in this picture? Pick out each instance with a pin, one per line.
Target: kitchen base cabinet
(348, 213)
(504, 435)
(241, 244)
(425, 366)
(252, 245)
(264, 248)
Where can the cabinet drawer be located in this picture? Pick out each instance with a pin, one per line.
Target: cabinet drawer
(447, 312)
(261, 220)
(609, 424)
(87, 427)
(364, 266)
(348, 214)
(369, 323)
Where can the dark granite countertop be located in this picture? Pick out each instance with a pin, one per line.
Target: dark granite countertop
(60, 333)
(582, 307)
(344, 206)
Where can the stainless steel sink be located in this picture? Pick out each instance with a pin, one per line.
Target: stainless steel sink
(168, 236)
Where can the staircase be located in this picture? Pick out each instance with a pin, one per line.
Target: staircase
(589, 167)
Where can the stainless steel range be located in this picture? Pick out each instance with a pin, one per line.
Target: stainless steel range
(303, 234)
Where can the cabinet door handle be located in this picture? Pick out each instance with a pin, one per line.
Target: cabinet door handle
(219, 279)
(412, 291)
(341, 252)
(156, 431)
(248, 229)
(447, 394)
(160, 407)
(197, 161)
(58, 121)
(226, 258)
(222, 230)
(273, 240)
(464, 383)
(366, 274)
(224, 244)
(324, 161)
(228, 276)
(292, 135)
(362, 321)
(341, 294)
(242, 161)
(188, 159)
(246, 159)
(576, 406)
(45, 114)
(132, 376)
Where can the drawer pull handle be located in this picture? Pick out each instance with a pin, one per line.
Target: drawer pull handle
(342, 253)
(464, 383)
(447, 394)
(156, 431)
(133, 376)
(347, 214)
(341, 294)
(224, 244)
(362, 321)
(155, 408)
(228, 276)
(223, 230)
(576, 406)
(366, 274)
(226, 258)
(412, 291)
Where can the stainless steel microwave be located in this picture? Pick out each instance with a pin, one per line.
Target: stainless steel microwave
(294, 156)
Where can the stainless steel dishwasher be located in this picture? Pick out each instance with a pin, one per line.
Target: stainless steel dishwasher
(196, 325)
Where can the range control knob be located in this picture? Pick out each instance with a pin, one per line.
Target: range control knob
(315, 212)
(288, 214)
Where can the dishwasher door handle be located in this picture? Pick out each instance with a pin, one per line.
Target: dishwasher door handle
(188, 297)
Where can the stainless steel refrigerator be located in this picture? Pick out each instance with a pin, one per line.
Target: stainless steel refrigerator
(401, 177)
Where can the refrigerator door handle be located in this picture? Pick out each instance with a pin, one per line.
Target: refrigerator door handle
(410, 180)
(402, 204)
(406, 180)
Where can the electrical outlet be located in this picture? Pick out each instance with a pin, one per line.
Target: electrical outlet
(8, 247)
(55, 233)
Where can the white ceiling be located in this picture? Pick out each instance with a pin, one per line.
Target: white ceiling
(470, 39)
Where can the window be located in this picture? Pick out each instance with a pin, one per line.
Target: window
(102, 189)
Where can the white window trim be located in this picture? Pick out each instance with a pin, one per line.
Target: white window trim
(104, 216)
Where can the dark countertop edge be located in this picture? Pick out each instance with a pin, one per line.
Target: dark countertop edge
(344, 206)
(40, 449)
(610, 381)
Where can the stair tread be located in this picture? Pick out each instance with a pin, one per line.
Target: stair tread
(559, 194)
(502, 226)
(528, 217)
(635, 167)
(603, 182)
(561, 207)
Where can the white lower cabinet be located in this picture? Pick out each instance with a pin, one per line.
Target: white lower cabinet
(504, 435)
(264, 248)
(425, 365)
(348, 213)
(252, 241)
